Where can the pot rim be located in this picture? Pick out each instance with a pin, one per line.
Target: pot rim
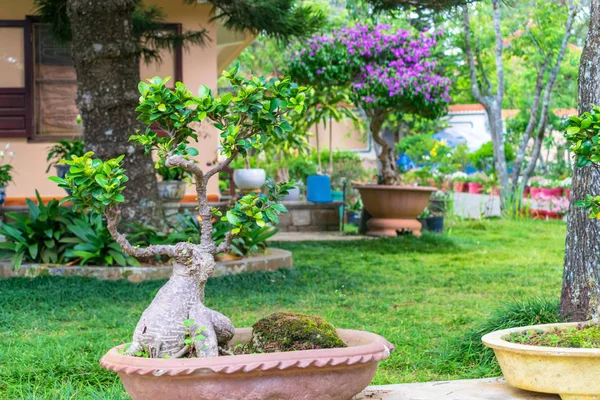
(495, 340)
(249, 169)
(397, 187)
(375, 350)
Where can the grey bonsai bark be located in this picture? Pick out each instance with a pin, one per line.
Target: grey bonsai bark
(580, 296)
(160, 331)
(106, 58)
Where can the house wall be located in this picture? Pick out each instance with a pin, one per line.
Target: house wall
(199, 67)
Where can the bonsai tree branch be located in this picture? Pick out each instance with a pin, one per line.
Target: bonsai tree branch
(226, 244)
(175, 160)
(112, 219)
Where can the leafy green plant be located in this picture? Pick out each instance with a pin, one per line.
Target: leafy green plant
(583, 136)
(253, 242)
(483, 158)
(40, 236)
(93, 244)
(64, 149)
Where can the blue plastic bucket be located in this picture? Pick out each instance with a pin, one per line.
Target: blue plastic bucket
(318, 189)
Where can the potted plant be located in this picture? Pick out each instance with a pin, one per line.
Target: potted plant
(549, 188)
(475, 183)
(173, 182)
(175, 347)
(558, 358)
(64, 149)
(459, 181)
(371, 61)
(248, 178)
(5, 171)
(353, 213)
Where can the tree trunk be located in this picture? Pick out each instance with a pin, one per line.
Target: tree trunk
(106, 58)
(161, 330)
(497, 133)
(387, 162)
(581, 278)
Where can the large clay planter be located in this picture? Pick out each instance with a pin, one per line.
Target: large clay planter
(328, 374)
(249, 178)
(571, 373)
(394, 208)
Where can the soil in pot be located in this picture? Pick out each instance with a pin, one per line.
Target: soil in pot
(581, 337)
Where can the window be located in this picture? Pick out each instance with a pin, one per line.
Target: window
(38, 83)
(15, 110)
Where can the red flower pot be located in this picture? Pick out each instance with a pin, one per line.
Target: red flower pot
(475, 188)
(557, 192)
(534, 192)
(551, 192)
(459, 187)
(495, 192)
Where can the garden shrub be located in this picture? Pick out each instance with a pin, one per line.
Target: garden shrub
(470, 351)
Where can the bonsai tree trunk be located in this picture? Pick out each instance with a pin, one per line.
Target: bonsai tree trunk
(389, 175)
(106, 58)
(161, 330)
(580, 296)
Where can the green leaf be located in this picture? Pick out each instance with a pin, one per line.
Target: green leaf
(16, 260)
(33, 251)
(192, 151)
(188, 322)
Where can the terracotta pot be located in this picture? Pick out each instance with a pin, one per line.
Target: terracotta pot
(172, 191)
(328, 374)
(459, 187)
(475, 188)
(394, 208)
(446, 185)
(570, 372)
(535, 192)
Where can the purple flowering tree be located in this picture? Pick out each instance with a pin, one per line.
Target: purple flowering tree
(386, 70)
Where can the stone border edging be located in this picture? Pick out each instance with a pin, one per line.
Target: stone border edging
(274, 259)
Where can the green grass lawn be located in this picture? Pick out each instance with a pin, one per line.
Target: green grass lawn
(420, 294)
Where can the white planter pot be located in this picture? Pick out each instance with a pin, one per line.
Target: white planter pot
(249, 179)
(294, 194)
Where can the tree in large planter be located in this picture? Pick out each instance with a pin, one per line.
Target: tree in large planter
(256, 111)
(389, 71)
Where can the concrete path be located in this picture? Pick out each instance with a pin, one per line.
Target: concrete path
(314, 236)
(473, 389)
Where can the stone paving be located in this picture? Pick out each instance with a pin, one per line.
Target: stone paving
(473, 389)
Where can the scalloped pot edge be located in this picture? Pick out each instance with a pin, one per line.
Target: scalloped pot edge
(325, 374)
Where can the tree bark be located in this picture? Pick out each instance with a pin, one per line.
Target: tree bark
(106, 58)
(387, 162)
(580, 296)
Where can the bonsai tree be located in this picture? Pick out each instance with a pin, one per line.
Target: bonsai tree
(177, 322)
(387, 70)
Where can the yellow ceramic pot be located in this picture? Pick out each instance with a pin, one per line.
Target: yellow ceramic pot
(571, 373)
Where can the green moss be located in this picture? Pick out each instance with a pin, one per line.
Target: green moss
(288, 332)
(577, 337)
